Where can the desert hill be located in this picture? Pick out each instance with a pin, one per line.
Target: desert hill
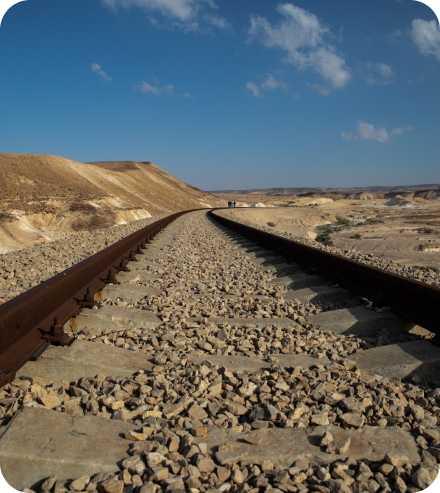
(41, 196)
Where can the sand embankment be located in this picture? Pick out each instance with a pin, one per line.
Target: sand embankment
(42, 197)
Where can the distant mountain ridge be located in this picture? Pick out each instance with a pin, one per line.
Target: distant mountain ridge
(337, 190)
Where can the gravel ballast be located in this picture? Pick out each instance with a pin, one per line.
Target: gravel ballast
(24, 269)
(180, 404)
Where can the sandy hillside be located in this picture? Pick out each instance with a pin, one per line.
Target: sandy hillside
(43, 196)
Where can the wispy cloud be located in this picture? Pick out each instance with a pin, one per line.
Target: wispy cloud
(254, 89)
(306, 42)
(145, 87)
(270, 83)
(395, 35)
(324, 90)
(379, 73)
(185, 14)
(157, 89)
(426, 35)
(417, 81)
(97, 69)
(402, 130)
(367, 131)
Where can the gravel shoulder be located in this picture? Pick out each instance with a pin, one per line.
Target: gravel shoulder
(24, 269)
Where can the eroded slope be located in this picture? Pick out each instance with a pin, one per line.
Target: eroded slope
(43, 197)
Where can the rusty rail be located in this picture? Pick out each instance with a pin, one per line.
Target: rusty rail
(30, 320)
(413, 300)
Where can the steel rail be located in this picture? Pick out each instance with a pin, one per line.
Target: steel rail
(413, 300)
(37, 316)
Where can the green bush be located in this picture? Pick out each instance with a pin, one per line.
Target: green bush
(271, 224)
(344, 222)
(357, 236)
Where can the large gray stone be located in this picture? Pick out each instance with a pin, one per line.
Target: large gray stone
(126, 291)
(284, 268)
(321, 294)
(283, 446)
(244, 363)
(142, 275)
(419, 358)
(359, 321)
(144, 263)
(300, 280)
(40, 442)
(85, 359)
(283, 322)
(114, 317)
(267, 259)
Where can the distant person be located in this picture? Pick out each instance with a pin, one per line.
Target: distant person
(229, 204)
(235, 203)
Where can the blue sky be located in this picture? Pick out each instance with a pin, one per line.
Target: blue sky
(228, 94)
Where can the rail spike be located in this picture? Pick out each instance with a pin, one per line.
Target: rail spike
(132, 257)
(110, 279)
(57, 334)
(123, 266)
(89, 300)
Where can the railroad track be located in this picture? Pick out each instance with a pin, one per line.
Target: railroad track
(209, 362)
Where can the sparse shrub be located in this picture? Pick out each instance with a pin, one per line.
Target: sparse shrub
(83, 207)
(271, 224)
(342, 221)
(5, 216)
(357, 236)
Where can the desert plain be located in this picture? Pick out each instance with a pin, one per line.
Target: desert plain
(403, 229)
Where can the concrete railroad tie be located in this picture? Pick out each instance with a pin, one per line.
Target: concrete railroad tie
(216, 364)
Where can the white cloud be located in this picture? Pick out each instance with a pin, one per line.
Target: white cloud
(184, 14)
(168, 89)
(97, 69)
(255, 89)
(426, 35)
(157, 89)
(219, 22)
(304, 39)
(145, 87)
(379, 73)
(417, 81)
(367, 131)
(271, 83)
(384, 70)
(321, 89)
(402, 130)
(395, 35)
